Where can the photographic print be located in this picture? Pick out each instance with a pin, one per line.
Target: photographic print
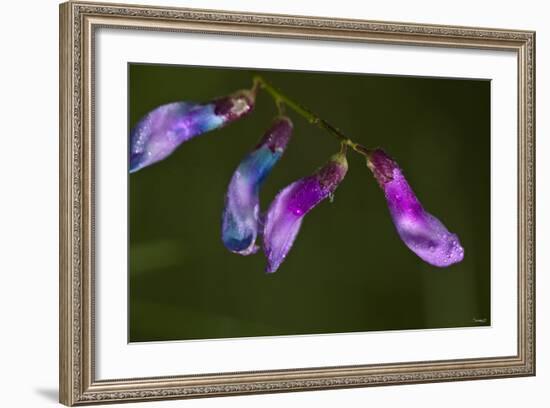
(277, 203)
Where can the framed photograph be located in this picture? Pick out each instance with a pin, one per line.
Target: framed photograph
(256, 203)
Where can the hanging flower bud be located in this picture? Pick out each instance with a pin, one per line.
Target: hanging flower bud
(163, 129)
(240, 221)
(284, 217)
(424, 234)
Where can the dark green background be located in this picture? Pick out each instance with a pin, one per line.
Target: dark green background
(348, 270)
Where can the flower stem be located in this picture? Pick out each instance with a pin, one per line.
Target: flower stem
(281, 99)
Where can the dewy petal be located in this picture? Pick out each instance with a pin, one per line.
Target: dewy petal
(240, 221)
(163, 129)
(284, 216)
(424, 234)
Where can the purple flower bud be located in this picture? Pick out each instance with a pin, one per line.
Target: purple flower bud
(424, 234)
(240, 221)
(163, 129)
(284, 217)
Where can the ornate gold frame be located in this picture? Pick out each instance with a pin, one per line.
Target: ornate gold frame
(78, 22)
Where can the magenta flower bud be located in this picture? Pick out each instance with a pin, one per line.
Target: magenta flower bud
(286, 212)
(240, 221)
(163, 129)
(424, 234)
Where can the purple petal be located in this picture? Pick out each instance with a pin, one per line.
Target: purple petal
(424, 234)
(285, 215)
(240, 221)
(163, 129)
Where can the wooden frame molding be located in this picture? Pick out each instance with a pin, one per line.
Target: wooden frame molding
(78, 22)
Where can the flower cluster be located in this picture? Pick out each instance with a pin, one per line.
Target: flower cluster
(165, 128)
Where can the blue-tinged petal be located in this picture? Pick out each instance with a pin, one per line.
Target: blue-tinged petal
(241, 216)
(164, 128)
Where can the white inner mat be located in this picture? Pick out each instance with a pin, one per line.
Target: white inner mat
(115, 358)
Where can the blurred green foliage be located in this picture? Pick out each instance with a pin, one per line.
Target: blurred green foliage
(348, 270)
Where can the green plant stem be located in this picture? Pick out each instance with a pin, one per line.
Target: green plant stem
(281, 99)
